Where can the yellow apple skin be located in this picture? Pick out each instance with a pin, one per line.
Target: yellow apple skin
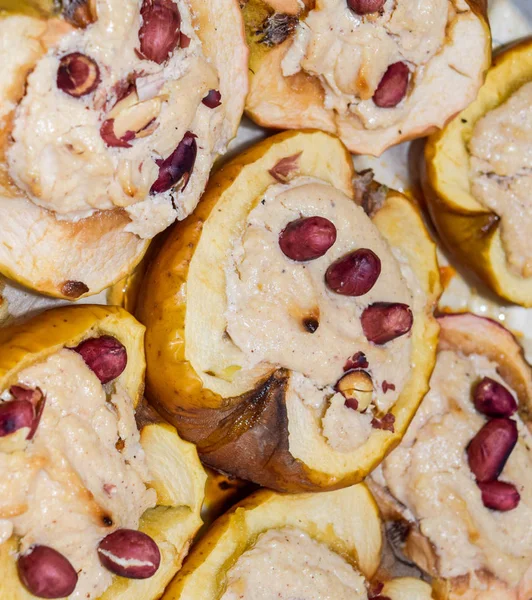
(347, 521)
(469, 230)
(176, 472)
(248, 436)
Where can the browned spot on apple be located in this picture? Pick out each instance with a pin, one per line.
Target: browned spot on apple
(73, 289)
(276, 28)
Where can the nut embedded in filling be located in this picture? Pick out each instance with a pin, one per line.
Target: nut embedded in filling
(80, 489)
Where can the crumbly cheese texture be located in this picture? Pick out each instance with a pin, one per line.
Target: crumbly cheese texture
(430, 475)
(285, 564)
(501, 173)
(269, 296)
(58, 157)
(71, 476)
(350, 53)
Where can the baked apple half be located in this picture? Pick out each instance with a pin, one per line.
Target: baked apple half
(477, 181)
(99, 497)
(289, 334)
(111, 117)
(307, 546)
(375, 72)
(458, 488)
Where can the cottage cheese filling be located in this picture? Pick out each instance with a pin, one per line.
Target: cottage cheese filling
(430, 475)
(285, 564)
(269, 296)
(62, 490)
(501, 173)
(350, 53)
(58, 156)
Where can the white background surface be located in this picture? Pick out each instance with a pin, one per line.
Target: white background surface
(510, 20)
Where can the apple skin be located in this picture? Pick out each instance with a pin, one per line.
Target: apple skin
(247, 436)
(175, 520)
(346, 520)
(470, 231)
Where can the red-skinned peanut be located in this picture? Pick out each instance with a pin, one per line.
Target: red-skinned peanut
(105, 356)
(492, 399)
(489, 450)
(46, 573)
(307, 238)
(355, 273)
(130, 553)
(499, 495)
(393, 86)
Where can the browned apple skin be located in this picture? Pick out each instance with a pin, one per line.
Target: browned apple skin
(254, 426)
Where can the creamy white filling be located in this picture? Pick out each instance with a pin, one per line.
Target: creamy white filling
(430, 475)
(287, 564)
(58, 490)
(269, 295)
(58, 157)
(501, 173)
(351, 53)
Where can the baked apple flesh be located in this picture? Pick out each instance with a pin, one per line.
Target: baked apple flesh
(375, 73)
(477, 181)
(304, 546)
(102, 142)
(460, 477)
(95, 486)
(307, 327)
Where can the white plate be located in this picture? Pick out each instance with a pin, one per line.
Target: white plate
(510, 20)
